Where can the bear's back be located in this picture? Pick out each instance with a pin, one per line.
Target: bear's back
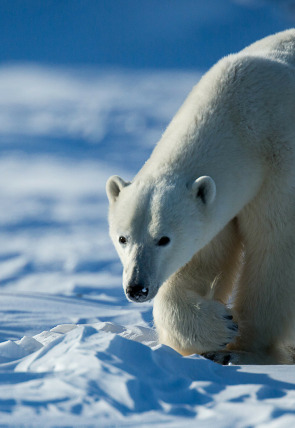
(280, 47)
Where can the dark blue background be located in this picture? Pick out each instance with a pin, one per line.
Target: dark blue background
(132, 33)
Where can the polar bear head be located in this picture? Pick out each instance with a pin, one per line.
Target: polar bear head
(157, 225)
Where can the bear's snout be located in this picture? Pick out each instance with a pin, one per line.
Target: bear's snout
(137, 292)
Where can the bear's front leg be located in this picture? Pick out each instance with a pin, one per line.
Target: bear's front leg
(191, 324)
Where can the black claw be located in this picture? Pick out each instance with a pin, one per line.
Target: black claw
(226, 360)
(234, 327)
(210, 356)
(228, 317)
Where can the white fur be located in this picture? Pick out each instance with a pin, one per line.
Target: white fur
(220, 184)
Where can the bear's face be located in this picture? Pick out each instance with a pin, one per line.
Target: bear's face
(156, 228)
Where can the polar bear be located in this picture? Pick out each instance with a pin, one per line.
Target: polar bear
(213, 209)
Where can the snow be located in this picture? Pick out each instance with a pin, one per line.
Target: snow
(73, 351)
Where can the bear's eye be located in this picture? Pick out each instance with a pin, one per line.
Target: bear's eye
(163, 241)
(122, 240)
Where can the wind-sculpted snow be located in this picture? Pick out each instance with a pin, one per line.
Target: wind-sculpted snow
(73, 351)
(120, 375)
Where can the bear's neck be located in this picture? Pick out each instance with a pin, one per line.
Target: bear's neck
(203, 139)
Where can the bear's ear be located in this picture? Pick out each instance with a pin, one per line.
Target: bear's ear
(114, 186)
(204, 188)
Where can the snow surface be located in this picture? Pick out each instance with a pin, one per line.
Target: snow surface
(73, 351)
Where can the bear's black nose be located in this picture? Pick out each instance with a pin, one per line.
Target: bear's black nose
(137, 292)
